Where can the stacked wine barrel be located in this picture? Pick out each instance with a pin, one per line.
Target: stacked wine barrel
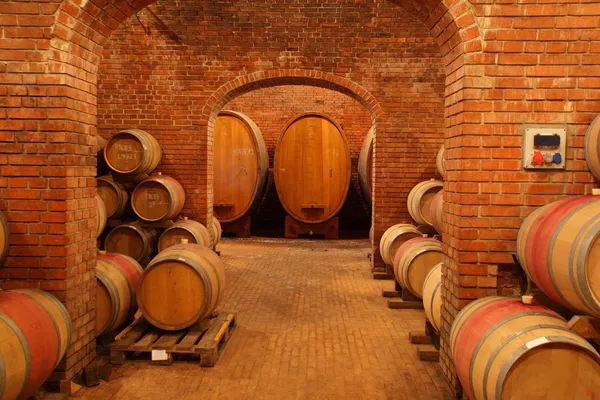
(312, 168)
(4, 237)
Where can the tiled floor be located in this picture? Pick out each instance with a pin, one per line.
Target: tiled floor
(311, 325)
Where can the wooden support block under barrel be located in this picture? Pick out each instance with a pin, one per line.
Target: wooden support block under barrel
(294, 229)
(239, 228)
(407, 300)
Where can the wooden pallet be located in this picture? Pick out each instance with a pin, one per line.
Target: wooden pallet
(205, 340)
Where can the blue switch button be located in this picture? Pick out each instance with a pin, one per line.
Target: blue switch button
(557, 158)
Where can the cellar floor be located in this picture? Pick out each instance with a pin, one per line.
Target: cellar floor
(311, 324)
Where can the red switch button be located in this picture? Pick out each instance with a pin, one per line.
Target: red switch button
(538, 158)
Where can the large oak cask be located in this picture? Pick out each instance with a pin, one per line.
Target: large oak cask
(117, 278)
(36, 331)
(506, 350)
(158, 198)
(558, 246)
(419, 200)
(4, 237)
(131, 240)
(436, 211)
(592, 147)
(181, 286)
(241, 165)
(439, 162)
(365, 168)
(192, 231)
(312, 168)
(132, 151)
(114, 195)
(413, 261)
(432, 296)
(393, 238)
(101, 215)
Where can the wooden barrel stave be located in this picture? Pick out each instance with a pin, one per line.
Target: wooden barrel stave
(498, 345)
(365, 168)
(118, 278)
(131, 240)
(4, 237)
(36, 332)
(114, 195)
(556, 245)
(413, 261)
(192, 231)
(592, 147)
(439, 162)
(436, 211)
(432, 296)
(419, 200)
(216, 231)
(132, 151)
(158, 198)
(393, 238)
(312, 186)
(191, 281)
(101, 215)
(239, 145)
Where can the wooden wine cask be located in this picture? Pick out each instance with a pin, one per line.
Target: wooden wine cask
(504, 349)
(131, 240)
(158, 198)
(4, 237)
(312, 168)
(101, 215)
(215, 231)
(393, 238)
(114, 195)
(36, 331)
(192, 231)
(117, 278)
(419, 200)
(436, 211)
(181, 286)
(439, 162)
(558, 246)
(413, 261)
(241, 165)
(132, 151)
(365, 168)
(592, 147)
(432, 296)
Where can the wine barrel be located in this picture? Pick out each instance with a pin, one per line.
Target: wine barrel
(117, 278)
(312, 168)
(419, 200)
(393, 238)
(413, 261)
(114, 195)
(36, 331)
(158, 198)
(132, 151)
(436, 211)
(432, 296)
(241, 165)
(4, 237)
(558, 246)
(439, 162)
(365, 168)
(372, 233)
(100, 215)
(215, 231)
(504, 349)
(191, 281)
(592, 147)
(131, 240)
(193, 231)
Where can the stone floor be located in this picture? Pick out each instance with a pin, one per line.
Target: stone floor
(311, 325)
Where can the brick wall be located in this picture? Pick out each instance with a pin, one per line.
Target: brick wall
(504, 65)
(272, 109)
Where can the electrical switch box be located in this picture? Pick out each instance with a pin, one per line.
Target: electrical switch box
(544, 148)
